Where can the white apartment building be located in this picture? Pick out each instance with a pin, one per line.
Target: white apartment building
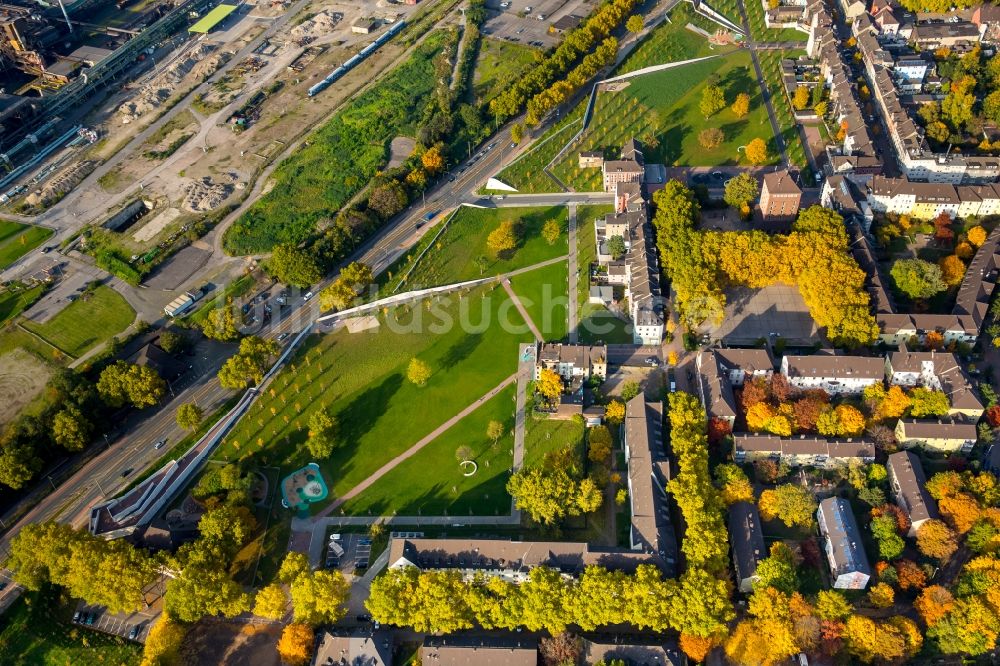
(837, 375)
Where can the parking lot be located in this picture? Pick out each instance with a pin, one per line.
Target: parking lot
(130, 626)
(518, 20)
(776, 311)
(348, 552)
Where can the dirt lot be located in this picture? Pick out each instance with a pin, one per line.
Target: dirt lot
(212, 643)
(22, 378)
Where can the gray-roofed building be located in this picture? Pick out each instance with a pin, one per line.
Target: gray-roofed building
(354, 649)
(634, 654)
(907, 480)
(845, 552)
(714, 388)
(834, 374)
(572, 362)
(938, 371)
(479, 651)
(946, 436)
(747, 540)
(649, 472)
(802, 450)
(933, 35)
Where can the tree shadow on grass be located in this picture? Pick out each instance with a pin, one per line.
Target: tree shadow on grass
(461, 350)
(358, 417)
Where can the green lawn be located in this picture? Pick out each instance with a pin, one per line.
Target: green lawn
(85, 323)
(543, 435)
(499, 65)
(16, 240)
(542, 292)
(728, 8)
(662, 109)
(37, 631)
(770, 65)
(360, 379)
(672, 41)
(527, 174)
(453, 258)
(760, 31)
(432, 481)
(13, 303)
(596, 323)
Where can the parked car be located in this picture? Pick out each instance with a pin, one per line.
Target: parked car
(282, 337)
(91, 618)
(132, 635)
(308, 295)
(76, 616)
(160, 443)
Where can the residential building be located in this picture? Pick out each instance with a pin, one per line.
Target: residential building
(938, 371)
(840, 193)
(897, 329)
(875, 281)
(591, 159)
(780, 197)
(574, 363)
(986, 17)
(835, 374)
(907, 480)
(649, 472)
(976, 290)
(947, 33)
(457, 650)
(510, 560)
(802, 450)
(991, 460)
(853, 9)
(629, 169)
(618, 649)
(944, 436)
(747, 540)
(845, 551)
(337, 648)
(719, 370)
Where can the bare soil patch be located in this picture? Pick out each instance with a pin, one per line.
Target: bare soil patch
(22, 378)
(213, 643)
(400, 148)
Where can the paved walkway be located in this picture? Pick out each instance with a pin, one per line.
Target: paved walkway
(573, 270)
(525, 371)
(388, 467)
(520, 308)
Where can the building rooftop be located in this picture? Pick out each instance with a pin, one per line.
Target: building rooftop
(846, 549)
(747, 539)
(804, 445)
(938, 429)
(904, 468)
(781, 182)
(354, 649)
(841, 367)
(479, 651)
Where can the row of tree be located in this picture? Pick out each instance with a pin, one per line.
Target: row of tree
(700, 264)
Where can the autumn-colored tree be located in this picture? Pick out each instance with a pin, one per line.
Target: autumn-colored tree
(758, 416)
(832, 605)
(549, 384)
(713, 100)
(869, 640)
(719, 429)
(753, 392)
(432, 160)
(964, 251)
(911, 576)
(881, 595)
(756, 152)
(807, 410)
(928, 403)
(942, 229)
(800, 99)
(711, 138)
(551, 231)
(768, 470)
(634, 23)
(741, 105)
(993, 415)
(945, 484)
(615, 411)
(852, 421)
(734, 486)
(697, 647)
(792, 504)
(937, 540)
(418, 372)
(960, 511)
(769, 636)
(952, 270)
(503, 239)
(933, 603)
(976, 235)
(296, 644)
(894, 404)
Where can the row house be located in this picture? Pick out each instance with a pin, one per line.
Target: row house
(843, 545)
(943, 436)
(926, 201)
(651, 530)
(747, 540)
(875, 282)
(938, 371)
(719, 370)
(976, 290)
(835, 374)
(842, 194)
(629, 169)
(986, 17)
(950, 34)
(897, 329)
(574, 363)
(908, 484)
(802, 450)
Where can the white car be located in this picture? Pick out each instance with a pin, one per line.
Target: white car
(308, 295)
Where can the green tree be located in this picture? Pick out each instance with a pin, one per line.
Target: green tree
(713, 100)
(293, 566)
(589, 496)
(832, 605)
(890, 544)
(551, 231)
(189, 416)
(137, 385)
(418, 372)
(320, 597)
(547, 496)
(517, 133)
(271, 602)
(387, 199)
(630, 389)
(634, 23)
(202, 591)
(778, 570)
(294, 266)
(172, 342)
(70, 429)
(322, 434)
(926, 402)
(741, 191)
(494, 430)
(599, 444)
(221, 323)
(917, 278)
(792, 504)
(616, 247)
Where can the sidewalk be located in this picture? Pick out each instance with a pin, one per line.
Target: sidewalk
(573, 270)
(520, 308)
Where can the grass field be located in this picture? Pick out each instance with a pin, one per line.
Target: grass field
(665, 105)
(760, 31)
(672, 42)
(361, 380)
(728, 8)
(16, 240)
(770, 65)
(13, 303)
(453, 257)
(544, 435)
(542, 292)
(432, 482)
(85, 323)
(36, 631)
(596, 321)
(499, 65)
(527, 174)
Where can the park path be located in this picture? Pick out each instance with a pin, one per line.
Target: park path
(520, 308)
(573, 270)
(389, 466)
